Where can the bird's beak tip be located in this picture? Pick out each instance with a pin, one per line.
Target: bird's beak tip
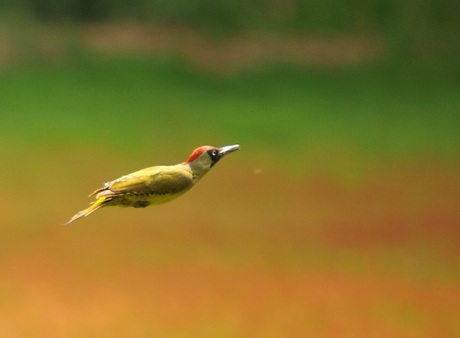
(228, 149)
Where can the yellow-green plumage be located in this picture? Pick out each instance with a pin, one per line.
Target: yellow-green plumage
(155, 185)
(150, 186)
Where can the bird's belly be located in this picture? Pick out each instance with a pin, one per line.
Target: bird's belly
(142, 201)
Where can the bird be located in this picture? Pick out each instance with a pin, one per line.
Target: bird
(158, 184)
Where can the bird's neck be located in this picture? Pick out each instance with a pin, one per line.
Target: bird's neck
(197, 170)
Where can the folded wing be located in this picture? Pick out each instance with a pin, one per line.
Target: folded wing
(145, 183)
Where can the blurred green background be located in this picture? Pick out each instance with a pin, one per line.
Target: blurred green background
(339, 216)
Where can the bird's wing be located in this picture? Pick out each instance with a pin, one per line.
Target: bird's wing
(158, 183)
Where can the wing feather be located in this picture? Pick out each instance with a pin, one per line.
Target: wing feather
(148, 183)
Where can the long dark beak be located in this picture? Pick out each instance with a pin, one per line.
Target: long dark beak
(228, 149)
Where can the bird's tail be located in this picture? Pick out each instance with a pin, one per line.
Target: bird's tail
(99, 203)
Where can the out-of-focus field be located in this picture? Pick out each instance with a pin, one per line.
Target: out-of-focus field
(339, 216)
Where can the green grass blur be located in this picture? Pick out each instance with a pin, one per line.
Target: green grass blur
(135, 103)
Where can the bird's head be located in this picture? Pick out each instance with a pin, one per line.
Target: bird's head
(203, 158)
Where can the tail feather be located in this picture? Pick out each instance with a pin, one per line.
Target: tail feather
(95, 192)
(93, 207)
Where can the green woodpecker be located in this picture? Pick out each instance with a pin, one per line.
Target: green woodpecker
(156, 185)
